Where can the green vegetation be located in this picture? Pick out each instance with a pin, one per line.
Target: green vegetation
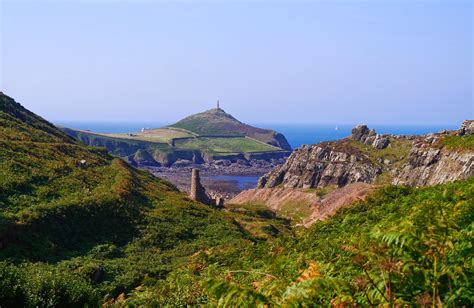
(458, 143)
(396, 155)
(80, 228)
(216, 135)
(321, 192)
(161, 135)
(225, 145)
(397, 152)
(216, 122)
(402, 246)
(210, 123)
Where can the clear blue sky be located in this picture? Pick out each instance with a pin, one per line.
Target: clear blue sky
(392, 62)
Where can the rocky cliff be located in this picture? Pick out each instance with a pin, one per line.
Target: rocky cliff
(371, 158)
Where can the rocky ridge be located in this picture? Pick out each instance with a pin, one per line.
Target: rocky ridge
(371, 158)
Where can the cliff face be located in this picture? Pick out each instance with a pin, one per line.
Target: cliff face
(322, 165)
(429, 164)
(372, 158)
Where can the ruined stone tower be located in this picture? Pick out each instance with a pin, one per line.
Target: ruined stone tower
(198, 192)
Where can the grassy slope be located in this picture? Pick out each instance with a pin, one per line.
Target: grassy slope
(402, 246)
(75, 232)
(458, 143)
(162, 135)
(213, 123)
(124, 147)
(225, 145)
(218, 122)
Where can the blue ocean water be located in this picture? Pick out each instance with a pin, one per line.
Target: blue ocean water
(296, 134)
(243, 181)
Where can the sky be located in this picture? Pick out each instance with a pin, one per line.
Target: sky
(385, 62)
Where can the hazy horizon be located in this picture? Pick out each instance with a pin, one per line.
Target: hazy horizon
(307, 62)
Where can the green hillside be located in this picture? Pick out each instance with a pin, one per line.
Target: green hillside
(401, 247)
(79, 227)
(197, 138)
(216, 122)
(225, 145)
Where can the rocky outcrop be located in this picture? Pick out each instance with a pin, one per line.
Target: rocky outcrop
(467, 128)
(362, 134)
(368, 157)
(322, 165)
(430, 165)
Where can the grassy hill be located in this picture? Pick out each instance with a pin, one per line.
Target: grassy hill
(197, 138)
(217, 122)
(78, 226)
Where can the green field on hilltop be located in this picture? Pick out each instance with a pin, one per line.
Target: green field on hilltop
(162, 135)
(225, 145)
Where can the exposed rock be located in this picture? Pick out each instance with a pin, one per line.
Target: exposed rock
(362, 134)
(142, 157)
(430, 166)
(338, 199)
(322, 165)
(314, 207)
(183, 163)
(381, 142)
(467, 128)
(417, 161)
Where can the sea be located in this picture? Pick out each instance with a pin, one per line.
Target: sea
(296, 134)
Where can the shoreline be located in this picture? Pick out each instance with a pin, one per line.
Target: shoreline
(224, 188)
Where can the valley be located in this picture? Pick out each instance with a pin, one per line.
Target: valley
(80, 227)
(267, 154)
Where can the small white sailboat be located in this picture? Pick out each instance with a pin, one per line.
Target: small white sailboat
(337, 128)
